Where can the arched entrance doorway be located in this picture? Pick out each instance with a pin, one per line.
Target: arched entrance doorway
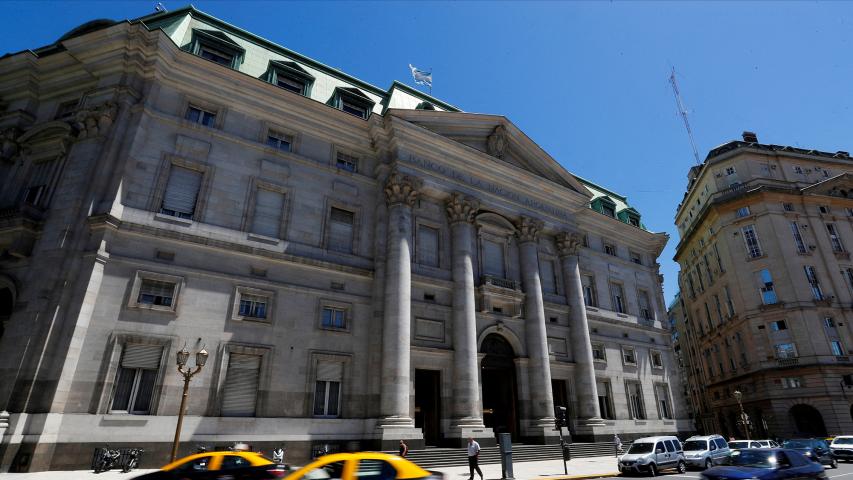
(499, 388)
(807, 421)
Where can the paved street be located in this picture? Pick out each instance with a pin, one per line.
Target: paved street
(844, 470)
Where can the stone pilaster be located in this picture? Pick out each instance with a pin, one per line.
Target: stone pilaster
(540, 425)
(401, 192)
(568, 247)
(467, 413)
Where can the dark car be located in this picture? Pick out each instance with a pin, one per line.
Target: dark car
(815, 449)
(766, 464)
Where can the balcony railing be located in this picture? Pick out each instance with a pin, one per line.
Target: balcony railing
(500, 282)
(788, 362)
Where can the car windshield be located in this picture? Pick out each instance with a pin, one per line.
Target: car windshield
(797, 444)
(694, 445)
(843, 441)
(738, 444)
(641, 448)
(752, 458)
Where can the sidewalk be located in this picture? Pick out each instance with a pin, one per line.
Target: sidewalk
(551, 470)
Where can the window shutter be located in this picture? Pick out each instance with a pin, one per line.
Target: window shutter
(493, 259)
(182, 190)
(137, 355)
(268, 211)
(340, 230)
(241, 385)
(330, 371)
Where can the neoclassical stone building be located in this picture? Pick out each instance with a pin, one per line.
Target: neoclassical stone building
(362, 264)
(766, 289)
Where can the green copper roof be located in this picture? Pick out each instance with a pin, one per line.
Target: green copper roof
(623, 209)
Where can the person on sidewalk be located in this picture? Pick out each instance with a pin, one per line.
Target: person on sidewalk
(404, 449)
(618, 442)
(473, 458)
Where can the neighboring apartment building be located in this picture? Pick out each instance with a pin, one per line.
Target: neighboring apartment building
(362, 265)
(767, 283)
(684, 346)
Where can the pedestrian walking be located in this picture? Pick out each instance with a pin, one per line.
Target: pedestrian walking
(474, 458)
(618, 442)
(404, 449)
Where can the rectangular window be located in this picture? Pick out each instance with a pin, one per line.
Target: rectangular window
(823, 209)
(240, 392)
(742, 212)
(753, 248)
(427, 247)
(662, 395)
(699, 277)
(334, 318)
(181, 193)
(730, 306)
(617, 297)
(798, 239)
(135, 379)
(35, 194)
(656, 359)
(778, 325)
(792, 382)
(785, 350)
(811, 276)
(253, 306)
(155, 292)
(201, 116)
(346, 162)
(279, 141)
(599, 352)
(609, 210)
(269, 209)
(636, 258)
(834, 238)
(289, 83)
(493, 259)
(708, 317)
(767, 290)
(646, 312)
(216, 56)
(589, 296)
(837, 348)
(635, 400)
(605, 399)
(629, 356)
(610, 249)
(788, 207)
(546, 273)
(353, 109)
(341, 230)
(829, 323)
(327, 389)
(719, 308)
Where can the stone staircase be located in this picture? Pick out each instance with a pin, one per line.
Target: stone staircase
(439, 457)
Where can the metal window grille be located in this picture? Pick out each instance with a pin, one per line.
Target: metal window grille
(156, 292)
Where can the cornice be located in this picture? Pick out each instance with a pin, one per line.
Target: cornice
(628, 234)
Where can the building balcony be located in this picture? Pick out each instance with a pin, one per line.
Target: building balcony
(500, 282)
(788, 362)
(500, 296)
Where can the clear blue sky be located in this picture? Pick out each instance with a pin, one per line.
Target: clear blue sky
(587, 81)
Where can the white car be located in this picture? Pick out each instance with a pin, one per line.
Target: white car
(651, 455)
(740, 444)
(842, 447)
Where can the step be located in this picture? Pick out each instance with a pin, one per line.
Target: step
(439, 457)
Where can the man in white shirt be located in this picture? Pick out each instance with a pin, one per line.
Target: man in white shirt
(473, 458)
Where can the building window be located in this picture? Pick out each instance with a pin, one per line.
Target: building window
(788, 207)
(617, 297)
(216, 56)
(136, 377)
(327, 389)
(636, 258)
(635, 400)
(656, 359)
(719, 308)
(778, 325)
(340, 238)
(181, 193)
(35, 194)
(268, 213)
(608, 210)
(629, 356)
(828, 322)
(289, 76)
(346, 162)
(823, 209)
(792, 382)
(837, 246)
(767, 290)
(837, 348)
(605, 398)
(730, 306)
(610, 249)
(730, 170)
(742, 212)
(798, 239)
(493, 258)
(811, 276)
(753, 248)
(352, 101)
(217, 47)
(785, 350)
(589, 297)
(354, 109)
(334, 317)
(201, 116)
(279, 141)
(662, 396)
(598, 352)
(240, 391)
(547, 275)
(427, 247)
(646, 312)
(155, 291)
(252, 304)
(798, 169)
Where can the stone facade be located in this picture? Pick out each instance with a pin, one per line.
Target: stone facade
(766, 285)
(363, 265)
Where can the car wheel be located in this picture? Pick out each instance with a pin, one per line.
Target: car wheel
(834, 463)
(708, 464)
(682, 467)
(653, 470)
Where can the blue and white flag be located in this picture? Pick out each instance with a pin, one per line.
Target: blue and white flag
(421, 77)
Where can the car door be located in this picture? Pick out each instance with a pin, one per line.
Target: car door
(333, 470)
(800, 467)
(374, 469)
(235, 467)
(199, 468)
(712, 451)
(722, 451)
(661, 457)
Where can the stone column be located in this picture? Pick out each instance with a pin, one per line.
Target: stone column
(541, 423)
(401, 192)
(467, 408)
(568, 246)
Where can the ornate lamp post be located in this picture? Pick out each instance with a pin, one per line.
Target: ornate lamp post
(744, 418)
(182, 357)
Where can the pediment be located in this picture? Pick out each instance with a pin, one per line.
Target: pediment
(496, 138)
(838, 186)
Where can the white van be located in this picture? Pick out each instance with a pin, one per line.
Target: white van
(653, 454)
(706, 451)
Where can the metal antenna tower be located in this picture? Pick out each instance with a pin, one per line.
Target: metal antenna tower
(683, 112)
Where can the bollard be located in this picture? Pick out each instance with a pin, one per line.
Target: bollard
(505, 443)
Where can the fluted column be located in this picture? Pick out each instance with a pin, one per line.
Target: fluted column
(401, 192)
(568, 246)
(467, 408)
(541, 397)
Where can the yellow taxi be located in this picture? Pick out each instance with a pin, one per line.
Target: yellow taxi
(210, 465)
(362, 466)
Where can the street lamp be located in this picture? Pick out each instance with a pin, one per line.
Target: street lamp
(744, 418)
(187, 372)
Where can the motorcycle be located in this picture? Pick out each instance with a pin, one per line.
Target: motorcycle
(132, 460)
(107, 460)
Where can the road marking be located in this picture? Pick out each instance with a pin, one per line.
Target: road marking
(841, 475)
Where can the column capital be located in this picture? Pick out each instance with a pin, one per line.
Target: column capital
(568, 243)
(400, 188)
(461, 208)
(528, 229)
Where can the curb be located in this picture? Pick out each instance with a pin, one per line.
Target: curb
(573, 477)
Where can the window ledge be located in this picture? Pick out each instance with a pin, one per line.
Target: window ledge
(334, 329)
(156, 308)
(752, 259)
(599, 360)
(255, 237)
(253, 320)
(162, 217)
(656, 367)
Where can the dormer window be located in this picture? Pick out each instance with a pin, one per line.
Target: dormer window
(217, 47)
(605, 205)
(352, 101)
(289, 76)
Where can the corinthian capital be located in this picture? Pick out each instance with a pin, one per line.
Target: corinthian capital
(461, 208)
(401, 188)
(528, 229)
(568, 243)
